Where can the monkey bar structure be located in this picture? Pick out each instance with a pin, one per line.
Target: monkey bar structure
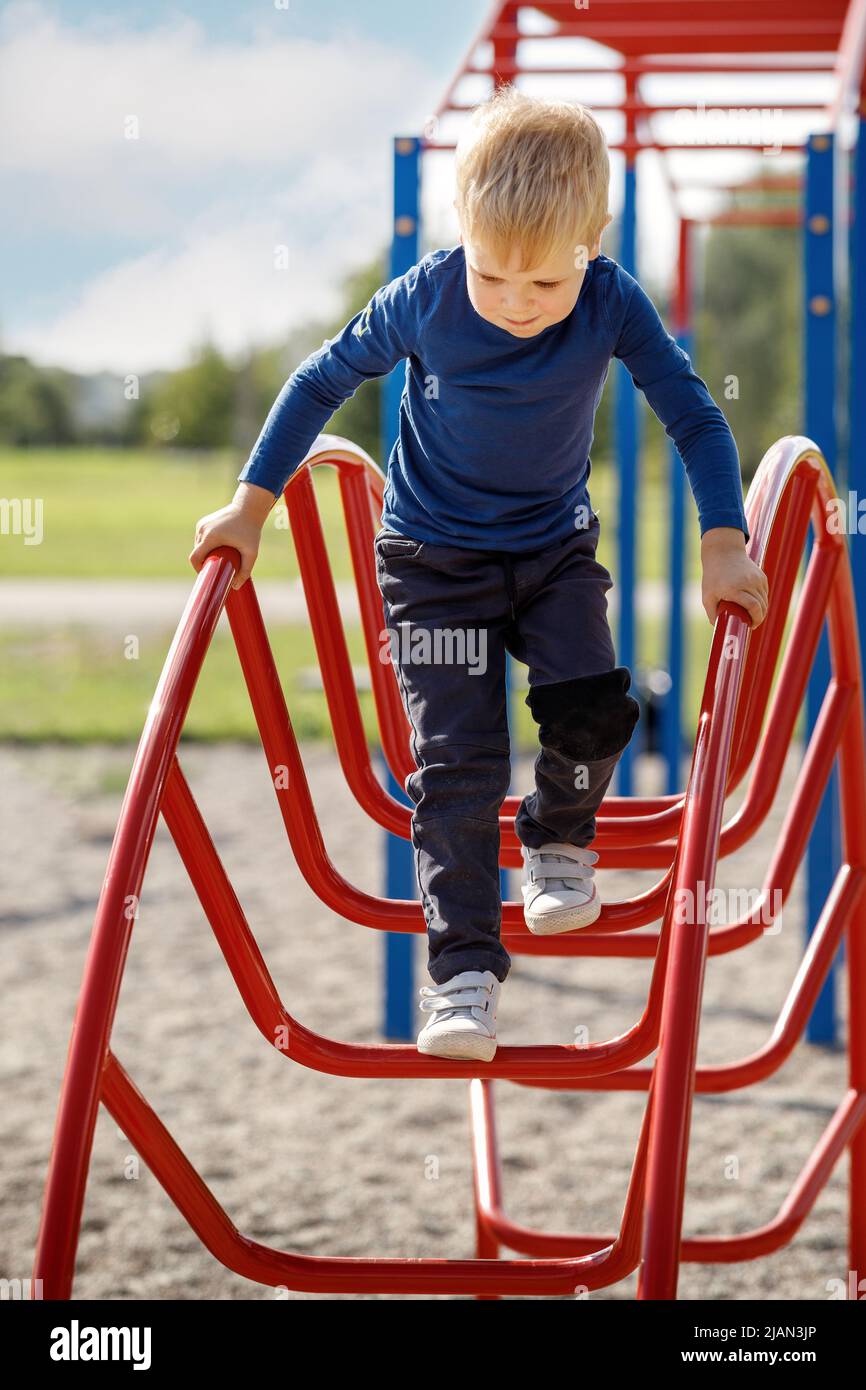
(636, 64)
(761, 81)
(681, 835)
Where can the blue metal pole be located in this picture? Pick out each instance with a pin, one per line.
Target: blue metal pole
(400, 876)
(400, 882)
(505, 874)
(672, 709)
(819, 376)
(626, 436)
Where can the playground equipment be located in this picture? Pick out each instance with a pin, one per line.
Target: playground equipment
(682, 835)
(634, 46)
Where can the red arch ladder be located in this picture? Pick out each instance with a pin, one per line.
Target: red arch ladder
(681, 834)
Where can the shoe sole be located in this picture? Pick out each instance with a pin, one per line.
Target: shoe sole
(458, 1047)
(553, 923)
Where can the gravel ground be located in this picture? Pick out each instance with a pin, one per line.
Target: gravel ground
(326, 1165)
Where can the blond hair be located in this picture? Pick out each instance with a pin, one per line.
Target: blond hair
(532, 174)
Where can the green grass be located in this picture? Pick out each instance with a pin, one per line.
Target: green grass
(132, 514)
(77, 686)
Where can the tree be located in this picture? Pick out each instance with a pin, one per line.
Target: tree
(35, 404)
(749, 333)
(193, 408)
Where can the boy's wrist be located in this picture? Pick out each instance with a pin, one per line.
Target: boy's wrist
(254, 501)
(723, 538)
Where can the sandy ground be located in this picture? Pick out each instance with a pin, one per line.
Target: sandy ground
(324, 1165)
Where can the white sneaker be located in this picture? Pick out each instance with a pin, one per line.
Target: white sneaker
(558, 889)
(464, 1017)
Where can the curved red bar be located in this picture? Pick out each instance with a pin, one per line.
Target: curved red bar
(683, 835)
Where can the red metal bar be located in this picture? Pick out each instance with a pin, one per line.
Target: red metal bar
(682, 315)
(686, 67)
(675, 1066)
(812, 34)
(845, 910)
(791, 476)
(850, 63)
(717, 12)
(756, 217)
(315, 1274)
(674, 1071)
(325, 1054)
(635, 146)
(638, 107)
(838, 914)
(112, 929)
(761, 184)
(494, 1226)
(631, 833)
(616, 917)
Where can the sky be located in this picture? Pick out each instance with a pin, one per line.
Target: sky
(153, 156)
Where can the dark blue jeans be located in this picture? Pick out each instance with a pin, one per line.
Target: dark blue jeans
(451, 614)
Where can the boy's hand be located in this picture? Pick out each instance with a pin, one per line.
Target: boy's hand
(239, 524)
(728, 573)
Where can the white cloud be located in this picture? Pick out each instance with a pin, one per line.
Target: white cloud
(243, 145)
(201, 104)
(221, 282)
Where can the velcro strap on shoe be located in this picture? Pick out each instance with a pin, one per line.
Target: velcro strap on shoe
(560, 861)
(457, 999)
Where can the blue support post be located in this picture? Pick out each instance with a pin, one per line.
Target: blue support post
(505, 874)
(626, 436)
(672, 717)
(399, 857)
(672, 709)
(822, 856)
(854, 164)
(400, 882)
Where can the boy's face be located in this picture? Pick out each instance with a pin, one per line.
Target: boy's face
(525, 302)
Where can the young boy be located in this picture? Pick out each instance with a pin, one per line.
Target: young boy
(488, 537)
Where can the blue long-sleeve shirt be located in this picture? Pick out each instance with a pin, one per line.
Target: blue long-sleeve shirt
(495, 431)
